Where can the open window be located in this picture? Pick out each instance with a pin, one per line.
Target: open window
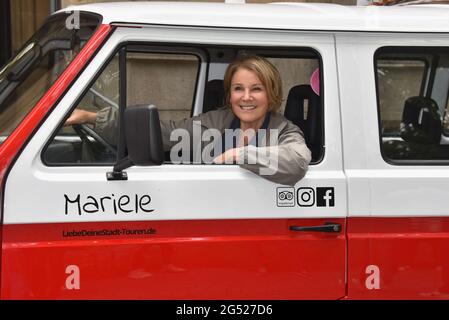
(154, 75)
(182, 81)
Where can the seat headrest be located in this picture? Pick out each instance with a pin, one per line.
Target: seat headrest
(294, 109)
(213, 95)
(421, 121)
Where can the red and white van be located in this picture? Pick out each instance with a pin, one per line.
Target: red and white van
(369, 221)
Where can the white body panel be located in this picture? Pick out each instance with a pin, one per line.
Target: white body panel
(295, 16)
(375, 187)
(177, 191)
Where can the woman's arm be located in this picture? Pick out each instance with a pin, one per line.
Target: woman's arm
(285, 163)
(80, 116)
(106, 124)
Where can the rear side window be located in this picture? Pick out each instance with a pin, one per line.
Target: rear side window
(412, 92)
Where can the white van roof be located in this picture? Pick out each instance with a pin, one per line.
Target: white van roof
(294, 16)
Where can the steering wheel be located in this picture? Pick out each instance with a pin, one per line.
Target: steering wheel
(85, 132)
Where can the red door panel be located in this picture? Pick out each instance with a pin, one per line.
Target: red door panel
(410, 253)
(229, 259)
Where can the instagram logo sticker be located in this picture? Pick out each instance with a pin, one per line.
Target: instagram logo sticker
(306, 197)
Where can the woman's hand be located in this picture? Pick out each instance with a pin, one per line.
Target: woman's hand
(229, 157)
(80, 116)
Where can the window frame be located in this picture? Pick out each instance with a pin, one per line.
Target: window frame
(201, 51)
(426, 84)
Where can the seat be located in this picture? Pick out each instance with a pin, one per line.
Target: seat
(308, 119)
(213, 95)
(420, 130)
(421, 121)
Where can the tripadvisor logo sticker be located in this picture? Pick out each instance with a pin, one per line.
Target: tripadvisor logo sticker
(286, 197)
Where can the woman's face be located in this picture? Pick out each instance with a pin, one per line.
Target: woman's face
(248, 98)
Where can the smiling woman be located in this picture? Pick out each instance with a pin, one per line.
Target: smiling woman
(249, 100)
(253, 88)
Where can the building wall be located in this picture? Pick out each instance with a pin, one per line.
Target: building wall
(26, 17)
(5, 32)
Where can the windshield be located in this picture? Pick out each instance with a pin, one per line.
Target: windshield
(39, 63)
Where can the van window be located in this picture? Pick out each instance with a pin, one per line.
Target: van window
(79, 143)
(412, 88)
(169, 78)
(301, 104)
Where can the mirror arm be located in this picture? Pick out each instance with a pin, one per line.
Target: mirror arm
(117, 172)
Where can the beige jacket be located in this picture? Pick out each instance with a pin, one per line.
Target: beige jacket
(283, 160)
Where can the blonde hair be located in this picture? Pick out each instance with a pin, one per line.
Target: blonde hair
(265, 71)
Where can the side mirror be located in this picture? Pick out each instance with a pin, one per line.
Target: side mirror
(143, 140)
(143, 135)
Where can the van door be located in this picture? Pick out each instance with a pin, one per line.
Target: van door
(396, 159)
(174, 231)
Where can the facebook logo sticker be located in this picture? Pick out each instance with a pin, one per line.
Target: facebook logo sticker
(325, 197)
